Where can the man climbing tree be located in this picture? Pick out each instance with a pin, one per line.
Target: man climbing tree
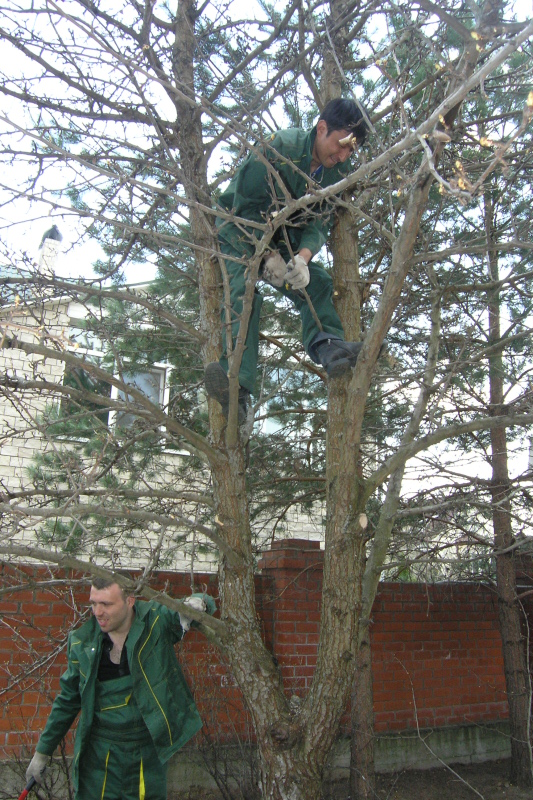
(288, 167)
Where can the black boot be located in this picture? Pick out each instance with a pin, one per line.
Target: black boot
(217, 387)
(337, 356)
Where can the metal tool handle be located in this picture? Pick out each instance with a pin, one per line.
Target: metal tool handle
(29, 786)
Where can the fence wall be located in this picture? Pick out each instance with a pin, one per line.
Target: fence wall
(436, 649)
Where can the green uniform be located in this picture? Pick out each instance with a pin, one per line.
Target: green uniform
(130, 726)
(120, 759)
(254, 194)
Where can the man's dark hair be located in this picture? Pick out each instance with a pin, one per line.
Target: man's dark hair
(105, 583)
(344, 114)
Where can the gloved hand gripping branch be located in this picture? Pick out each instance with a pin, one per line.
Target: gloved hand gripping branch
(274, 269)
(297, 273)
(200, 602)
(294, 274)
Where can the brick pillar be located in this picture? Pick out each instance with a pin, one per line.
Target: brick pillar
(292, 570)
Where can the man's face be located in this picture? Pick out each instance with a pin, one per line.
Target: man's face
(113, 611)
(327, 149)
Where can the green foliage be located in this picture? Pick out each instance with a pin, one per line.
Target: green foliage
(130, 182)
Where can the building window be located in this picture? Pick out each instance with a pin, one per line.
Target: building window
(82, 415)
(153, 383)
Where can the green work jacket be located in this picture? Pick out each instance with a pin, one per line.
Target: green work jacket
(254, 193)
(159, 687)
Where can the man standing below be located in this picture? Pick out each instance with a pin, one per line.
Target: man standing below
(292, 164)
(136, 708)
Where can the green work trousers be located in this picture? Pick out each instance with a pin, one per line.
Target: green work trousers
(120, 761)
(320, 291)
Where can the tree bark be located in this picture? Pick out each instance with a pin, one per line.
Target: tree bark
(293, 739)
(510, 613)
(362, 770)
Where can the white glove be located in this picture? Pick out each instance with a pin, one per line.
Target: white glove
(274, 269)
(298, 274)
(195, 602)
(37, 768)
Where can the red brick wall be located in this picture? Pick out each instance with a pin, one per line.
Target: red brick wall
(436, 649)
(436, 656)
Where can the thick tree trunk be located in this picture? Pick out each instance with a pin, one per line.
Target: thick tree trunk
(514, 647)
(362, 774)
(293, 743)
(189, 136)
(510, 614)
(290, 775)
(252, 665)
(348, 293)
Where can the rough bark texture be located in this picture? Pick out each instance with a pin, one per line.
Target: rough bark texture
(362, 781)
(294, 739)
(294, 742)
(251, 664)
(362, 774)
(189, 136)
(514, 647)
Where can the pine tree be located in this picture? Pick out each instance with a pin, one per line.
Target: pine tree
(151, 109)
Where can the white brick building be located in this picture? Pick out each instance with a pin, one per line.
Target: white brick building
(57, 323)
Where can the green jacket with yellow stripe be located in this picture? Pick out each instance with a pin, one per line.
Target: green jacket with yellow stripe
(159, 687)
(254, 193)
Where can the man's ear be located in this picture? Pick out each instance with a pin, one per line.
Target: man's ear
(130, 600)
(322, 127)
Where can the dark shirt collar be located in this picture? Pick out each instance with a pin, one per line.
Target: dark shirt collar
(107, 670)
